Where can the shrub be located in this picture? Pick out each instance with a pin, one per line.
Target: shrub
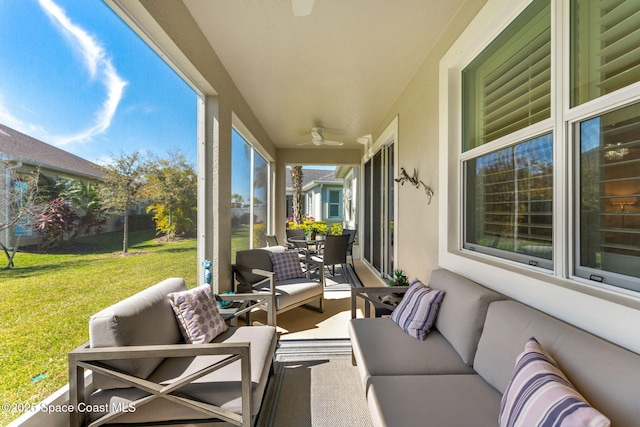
(259, 239)
(335, 229)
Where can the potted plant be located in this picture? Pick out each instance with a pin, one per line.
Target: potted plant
(399, 278)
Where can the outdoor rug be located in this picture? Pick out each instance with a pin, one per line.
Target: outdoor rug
(314, 385)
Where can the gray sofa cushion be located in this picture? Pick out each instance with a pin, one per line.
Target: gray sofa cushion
(221, 388)
(462, 311)
(380, 347)
(433, 400)
(607, 376)
(145, 318)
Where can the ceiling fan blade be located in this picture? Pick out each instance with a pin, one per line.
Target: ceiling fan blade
(302, 7)
(335, 143)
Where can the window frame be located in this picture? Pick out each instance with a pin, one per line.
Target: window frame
(253, 152)
(521, 258)
(488, 24)
(331, 204)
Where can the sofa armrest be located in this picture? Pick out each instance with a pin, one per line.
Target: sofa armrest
(85, 357)
(371, 295)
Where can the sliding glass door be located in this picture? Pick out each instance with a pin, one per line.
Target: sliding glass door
(379, 212)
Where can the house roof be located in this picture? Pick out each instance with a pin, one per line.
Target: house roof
(310, 176)
(20, 147)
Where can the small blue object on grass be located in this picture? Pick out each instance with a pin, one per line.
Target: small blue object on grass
(38, 378)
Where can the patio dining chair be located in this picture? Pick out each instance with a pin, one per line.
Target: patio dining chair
(297, 240)
(352, 238)
(334, 252)
(272, 240)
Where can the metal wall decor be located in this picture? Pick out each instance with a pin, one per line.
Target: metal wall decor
(414, 181)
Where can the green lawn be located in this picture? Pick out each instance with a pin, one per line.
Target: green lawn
(46, 301)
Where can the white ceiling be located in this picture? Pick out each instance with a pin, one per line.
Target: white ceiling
(341, 67)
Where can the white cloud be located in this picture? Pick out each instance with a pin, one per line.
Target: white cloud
(100, 67)
(10, 120)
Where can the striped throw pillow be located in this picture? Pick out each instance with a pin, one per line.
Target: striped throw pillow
(286, 265)
(539, 394)
(418, 309)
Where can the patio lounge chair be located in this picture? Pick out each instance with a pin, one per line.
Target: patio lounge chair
(254, 272)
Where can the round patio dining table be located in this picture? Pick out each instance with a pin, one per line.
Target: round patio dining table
(318, 242)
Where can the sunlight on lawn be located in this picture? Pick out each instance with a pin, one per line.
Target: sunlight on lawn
(47, 299)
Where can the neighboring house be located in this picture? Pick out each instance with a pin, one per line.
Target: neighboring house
(26, 154)
(322, 195)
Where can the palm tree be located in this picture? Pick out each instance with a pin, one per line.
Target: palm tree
(296, 180)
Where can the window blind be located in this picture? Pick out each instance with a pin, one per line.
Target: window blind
(606, 52)
(508, 86)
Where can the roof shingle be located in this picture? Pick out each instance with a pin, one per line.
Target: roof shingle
(21, 147)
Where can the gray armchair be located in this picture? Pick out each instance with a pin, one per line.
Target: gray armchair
(253, 272)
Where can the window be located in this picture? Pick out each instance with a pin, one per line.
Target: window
(508, 86)
(605, 54)
(550, 141)
(609, 214)
(250, 195)
(510, 201)
(334, 204)
(509, 190)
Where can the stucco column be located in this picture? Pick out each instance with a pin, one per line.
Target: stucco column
(280, 208)
(214, 191)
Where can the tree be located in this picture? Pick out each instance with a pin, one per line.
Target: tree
(237, 200)
(58, 219)
(21, 203)
(85, 200)
(122, 186)
(296, 180)
(171, 185)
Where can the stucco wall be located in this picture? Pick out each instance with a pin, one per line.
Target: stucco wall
(417, 111)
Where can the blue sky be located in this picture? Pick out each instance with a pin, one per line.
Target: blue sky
(73, 75)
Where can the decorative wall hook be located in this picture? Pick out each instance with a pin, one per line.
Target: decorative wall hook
(413, 180)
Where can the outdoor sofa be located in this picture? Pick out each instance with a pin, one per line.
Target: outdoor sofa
(456, 377)
(144, 372)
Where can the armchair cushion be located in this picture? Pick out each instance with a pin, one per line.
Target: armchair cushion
(418, 309)
(197, 314)
(286, 265)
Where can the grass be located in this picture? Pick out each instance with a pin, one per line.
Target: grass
(46, 301)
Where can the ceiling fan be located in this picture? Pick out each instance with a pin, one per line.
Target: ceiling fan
(317, 138)
(302, 7)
